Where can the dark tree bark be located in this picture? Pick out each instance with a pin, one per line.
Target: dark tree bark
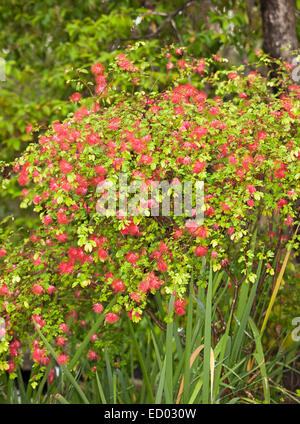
(279, 27)
(148, 4)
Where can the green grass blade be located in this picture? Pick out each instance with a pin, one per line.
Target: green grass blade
(207, 340)
(114, 388)
(157, 352)
(222, 346)
(239, 334)
(169, 354)
(61, 399)
(161, 383)
(260, 358)
(23, 396)
(100, 389)
(63, 367)
(109, 375)
(142, 364)
(125, 386)
(42, 383)
(87, 338)
(188, 346)
(196, 391)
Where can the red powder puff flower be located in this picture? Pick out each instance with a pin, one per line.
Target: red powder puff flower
(62, 218)
(92, 355)
(132, 257)
(75, 97)
(11, 366)
(98, 308)
(179, 305)
(97, 68)
(64, 328)
(47, 220)
(62, 359)
(65, 167)
(37, 289)
(118, 286)
(201, 251)
(102, 254)
(60, 341)
(111, 317)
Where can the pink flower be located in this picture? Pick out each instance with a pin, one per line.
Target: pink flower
(51, 376)
(124, 62)
(135, 296)
(75, 97)
(289, 220)
(231, 231)
(40, 322)
(251, 189)
(92, 355)
(60, 341)
(62, 359)
(261, 135)
(62, 218)
(62, 237)
(202, 232)
(232, 75)
(111, 317)
(64, 328)
(214, 254)
(37, 289)
(224, 262)
(98, 308)
(51, 289)
(37, 261)
(291, 193)
(47, 220)
(179, 306)
(11, 366)
(3, 289)
(118, 285)
(132, 257)
(37, 199)
(201, 251)
(38, 353)
(170, 65)
(97, 68)
(199, 166)
(232, 160)
(162, 266)
(65, 268)
(94, 337)
(65, 167)
(102, 254)
(180, 311)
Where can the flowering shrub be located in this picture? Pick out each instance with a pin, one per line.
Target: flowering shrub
(226, 128)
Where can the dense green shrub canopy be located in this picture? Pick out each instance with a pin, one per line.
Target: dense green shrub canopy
(227, 128)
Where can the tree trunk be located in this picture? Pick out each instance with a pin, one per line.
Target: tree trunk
(279, 28)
